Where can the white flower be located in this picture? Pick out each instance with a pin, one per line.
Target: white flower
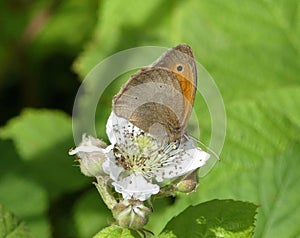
(138, 163)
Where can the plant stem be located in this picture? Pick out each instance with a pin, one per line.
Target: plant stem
(105, 193)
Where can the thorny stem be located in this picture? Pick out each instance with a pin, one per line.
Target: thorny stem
(107, 197)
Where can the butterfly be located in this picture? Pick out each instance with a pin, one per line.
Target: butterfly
(159, 98)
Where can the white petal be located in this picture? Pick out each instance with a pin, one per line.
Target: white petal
(109, 150)
(195, 155)
(136, 187)
(192, 159)
(86, 148)
(109, 128)
(110, 167)
(116, 126)
(89, 144)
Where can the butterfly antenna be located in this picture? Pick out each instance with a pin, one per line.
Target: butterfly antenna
(202, 144)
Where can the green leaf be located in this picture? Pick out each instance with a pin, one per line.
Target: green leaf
(11, 226)
(217, 218)
(91, 214)
(34, 131)
(167, 234)
(43, 139)
(14, 188)
(10, 160)
(15, 185)
(114, 232)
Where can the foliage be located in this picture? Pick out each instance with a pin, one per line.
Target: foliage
(252, 51)
(11, 226)
(216, 218)
(114, 231)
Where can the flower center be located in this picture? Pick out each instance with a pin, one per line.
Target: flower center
(142, 154)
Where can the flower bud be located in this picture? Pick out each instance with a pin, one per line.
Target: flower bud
(131, 215)
(188, 184)
(92, 165)
(91, 155)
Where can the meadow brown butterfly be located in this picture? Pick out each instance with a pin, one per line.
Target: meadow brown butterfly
(159, 98)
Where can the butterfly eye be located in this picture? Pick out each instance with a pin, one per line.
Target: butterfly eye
(179, 68)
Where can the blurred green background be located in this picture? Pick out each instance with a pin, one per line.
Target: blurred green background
(251, 49)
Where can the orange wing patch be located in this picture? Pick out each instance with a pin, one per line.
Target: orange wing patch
(188, 89)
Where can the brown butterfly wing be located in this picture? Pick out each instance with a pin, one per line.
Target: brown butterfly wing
(159, 99)
(151, 99)
(182, 56)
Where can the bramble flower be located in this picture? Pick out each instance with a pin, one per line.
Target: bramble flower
(139, 164)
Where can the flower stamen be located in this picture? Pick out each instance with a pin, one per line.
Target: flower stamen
(144, 155)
